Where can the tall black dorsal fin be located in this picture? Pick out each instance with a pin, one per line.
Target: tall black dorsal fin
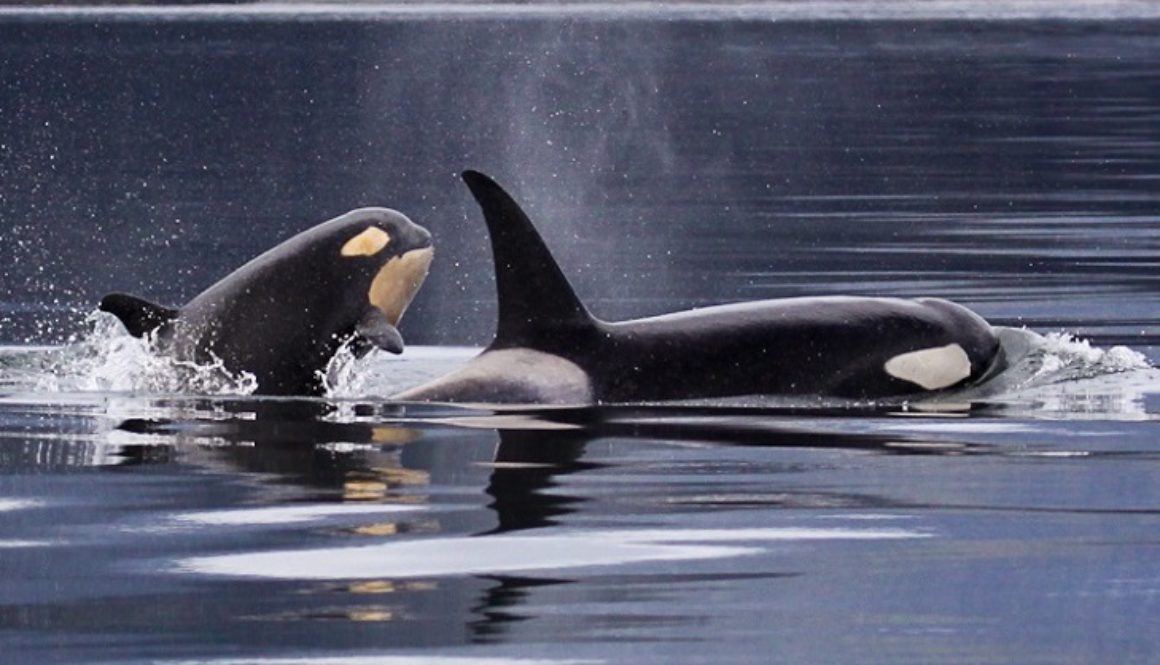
(137, 314)
(534, 295)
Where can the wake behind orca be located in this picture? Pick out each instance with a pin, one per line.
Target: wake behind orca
(549, 349)
(282, 316)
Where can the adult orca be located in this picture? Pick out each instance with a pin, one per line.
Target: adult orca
(283, 315)
(548, 348)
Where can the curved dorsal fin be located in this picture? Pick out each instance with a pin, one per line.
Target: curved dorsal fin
(534, 296)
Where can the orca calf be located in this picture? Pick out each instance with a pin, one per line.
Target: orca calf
(282, 316)
(548, 349)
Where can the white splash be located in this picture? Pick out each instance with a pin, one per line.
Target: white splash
(1036, 360)
(1066, 357)
(1058, 375)
(381, 375)
(108, 359)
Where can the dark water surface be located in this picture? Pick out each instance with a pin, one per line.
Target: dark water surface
(672, 160)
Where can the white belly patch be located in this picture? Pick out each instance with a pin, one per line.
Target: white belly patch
(932, 368)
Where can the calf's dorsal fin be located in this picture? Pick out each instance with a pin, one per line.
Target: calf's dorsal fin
(535, 297)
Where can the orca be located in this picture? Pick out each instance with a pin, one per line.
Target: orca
(282, 316)
(549, 349)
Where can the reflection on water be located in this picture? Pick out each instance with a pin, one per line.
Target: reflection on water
(652, 525)
(519, 553)
(156, 527)
(671, 160)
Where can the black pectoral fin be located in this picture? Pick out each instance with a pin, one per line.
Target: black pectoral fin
(138, 315)
(375, 328)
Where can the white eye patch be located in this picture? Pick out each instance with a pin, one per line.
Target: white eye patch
(368, 243)
(932, 368)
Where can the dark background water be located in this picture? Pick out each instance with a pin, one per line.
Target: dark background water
(670, 162)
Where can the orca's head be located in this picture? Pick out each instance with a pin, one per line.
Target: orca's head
(384, 250)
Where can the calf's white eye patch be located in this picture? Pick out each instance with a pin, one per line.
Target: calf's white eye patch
(933, 368)
(368, 243)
